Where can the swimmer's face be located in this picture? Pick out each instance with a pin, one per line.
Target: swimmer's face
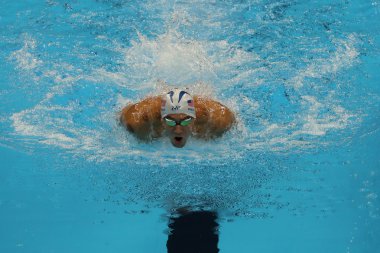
(178, 134)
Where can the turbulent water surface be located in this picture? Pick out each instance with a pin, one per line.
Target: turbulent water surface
(301, 77)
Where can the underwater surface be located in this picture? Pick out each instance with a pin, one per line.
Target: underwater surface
(299, 172)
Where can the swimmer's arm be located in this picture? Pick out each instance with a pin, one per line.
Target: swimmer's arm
(143, 119)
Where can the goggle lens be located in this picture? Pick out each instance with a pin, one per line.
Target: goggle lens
(186, 122)
(170, 122)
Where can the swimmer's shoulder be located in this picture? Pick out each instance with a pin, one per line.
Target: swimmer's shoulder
(139, 118)
(201, 110)
(207, 107)
(144, 108)
(213, 118)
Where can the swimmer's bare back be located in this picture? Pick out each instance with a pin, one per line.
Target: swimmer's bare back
(143, 119)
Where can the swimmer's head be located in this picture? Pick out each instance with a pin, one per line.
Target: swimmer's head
(178, 128)
(178, 114)
(177, 101)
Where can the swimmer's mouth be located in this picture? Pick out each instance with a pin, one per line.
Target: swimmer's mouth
(178, 139)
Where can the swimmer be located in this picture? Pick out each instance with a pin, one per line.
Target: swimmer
(177, 115)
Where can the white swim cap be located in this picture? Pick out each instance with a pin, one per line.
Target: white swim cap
(177, 101)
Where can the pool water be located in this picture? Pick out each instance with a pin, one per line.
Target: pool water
(299, 172)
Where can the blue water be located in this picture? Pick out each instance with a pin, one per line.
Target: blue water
(298, 173)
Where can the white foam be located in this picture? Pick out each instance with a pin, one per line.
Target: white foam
(316, 124)
(169, 57)
(26, 59)
(38, 128)
(343, 58)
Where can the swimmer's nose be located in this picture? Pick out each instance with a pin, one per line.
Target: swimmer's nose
(178, 129)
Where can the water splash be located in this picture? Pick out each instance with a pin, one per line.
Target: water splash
(78, 112)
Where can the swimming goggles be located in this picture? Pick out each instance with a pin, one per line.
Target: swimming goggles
(172, 123)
